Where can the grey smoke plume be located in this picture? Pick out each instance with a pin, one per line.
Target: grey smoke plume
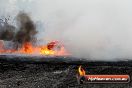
(7, 31)
(95, 29)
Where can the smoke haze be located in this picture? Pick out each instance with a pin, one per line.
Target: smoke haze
(93, 29)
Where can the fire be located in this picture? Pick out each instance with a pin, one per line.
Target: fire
(81, 71)
(27, 48)
(52, 48)
(46, 51)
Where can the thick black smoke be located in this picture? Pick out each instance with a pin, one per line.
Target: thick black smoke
(26, 30)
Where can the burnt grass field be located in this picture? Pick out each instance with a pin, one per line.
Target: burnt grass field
(42, 75)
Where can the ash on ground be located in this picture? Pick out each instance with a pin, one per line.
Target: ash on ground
(25, 75)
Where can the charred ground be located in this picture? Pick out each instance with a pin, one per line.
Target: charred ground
(40, 75)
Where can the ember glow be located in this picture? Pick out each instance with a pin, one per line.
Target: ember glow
(52, 48)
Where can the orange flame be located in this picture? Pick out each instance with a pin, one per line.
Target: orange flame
(28, 48)
(81, 71)
(46, 51)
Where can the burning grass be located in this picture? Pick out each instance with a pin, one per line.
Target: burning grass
(24, 39)
(52, 48)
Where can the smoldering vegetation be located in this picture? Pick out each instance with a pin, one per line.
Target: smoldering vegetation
(24, 32)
